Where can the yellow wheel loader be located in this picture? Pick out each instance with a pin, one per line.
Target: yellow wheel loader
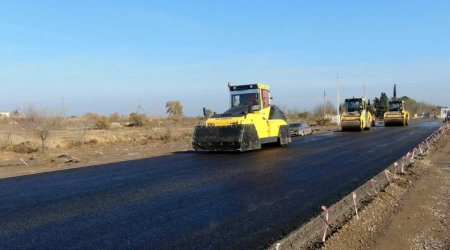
(356, 115)
(396, 115)
(250, 121)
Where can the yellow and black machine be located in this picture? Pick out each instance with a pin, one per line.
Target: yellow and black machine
(251, 121)
(396, 115)
(356, 115)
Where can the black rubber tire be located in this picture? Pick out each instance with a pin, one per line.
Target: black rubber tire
(283, 137)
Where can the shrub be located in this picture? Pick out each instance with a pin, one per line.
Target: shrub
(25, 148)
(101, 123)
(91, 141)
(115, 117)
(137, 119)
(323, 122)
(167, 135)
(96, 121)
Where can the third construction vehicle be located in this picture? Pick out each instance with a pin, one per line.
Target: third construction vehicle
(397, 114)
(250, 121)
(356, 115)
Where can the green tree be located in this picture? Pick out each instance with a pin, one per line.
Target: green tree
(384, 103)
(376, 106)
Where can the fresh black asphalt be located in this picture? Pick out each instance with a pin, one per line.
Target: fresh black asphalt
(194, 200)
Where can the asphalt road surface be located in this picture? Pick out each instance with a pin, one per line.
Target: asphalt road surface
(196, 200)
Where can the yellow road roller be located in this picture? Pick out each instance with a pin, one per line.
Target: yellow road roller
(356, 115)
(396, 115)
(250, 121)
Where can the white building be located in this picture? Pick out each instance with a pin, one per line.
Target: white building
(443, 112)
(5, 114)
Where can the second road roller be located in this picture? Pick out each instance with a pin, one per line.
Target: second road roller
(250, 121)
(356, 115)
(396, 114)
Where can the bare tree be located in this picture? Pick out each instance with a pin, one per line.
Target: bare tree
(174, 109)
(43, 133)
(32, 114)
(42, 123)
(329, 107)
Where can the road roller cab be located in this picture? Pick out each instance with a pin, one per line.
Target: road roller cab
(250, 121)
(356, 115)
(396, 114)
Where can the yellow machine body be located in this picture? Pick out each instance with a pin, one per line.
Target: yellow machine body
(356, 115)
(396, 115)
(252, 120)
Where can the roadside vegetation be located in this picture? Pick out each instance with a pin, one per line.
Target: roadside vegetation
(36, 131)
(320, 115)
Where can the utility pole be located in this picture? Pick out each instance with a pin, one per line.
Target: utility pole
(324, 107)
(338, 105)
(395, 92)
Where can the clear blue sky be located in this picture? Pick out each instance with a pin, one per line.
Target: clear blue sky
(107, 56)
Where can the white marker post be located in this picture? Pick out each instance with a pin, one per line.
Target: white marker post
(373, 185)
(327, 223)
(386, 172)
(395, 169)
(354, 204)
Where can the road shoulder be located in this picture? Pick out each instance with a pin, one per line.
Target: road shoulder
(408, 215)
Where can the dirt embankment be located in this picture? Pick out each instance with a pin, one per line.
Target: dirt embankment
(407, 215)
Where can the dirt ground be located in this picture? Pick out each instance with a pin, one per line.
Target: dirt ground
(408, 215)
(74, 145)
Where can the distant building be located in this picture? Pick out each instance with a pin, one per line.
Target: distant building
(5, 114)
(443, 112)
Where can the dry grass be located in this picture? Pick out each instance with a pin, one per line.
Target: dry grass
(35, 133)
